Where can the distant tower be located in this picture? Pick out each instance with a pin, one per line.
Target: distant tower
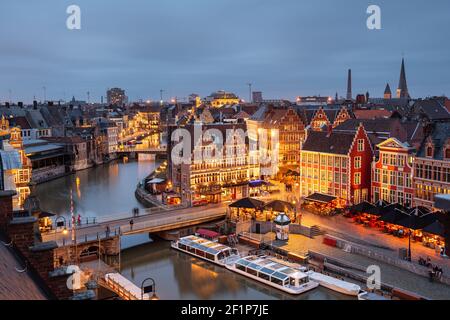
(336, 98)
(349, 85)
(402, 91)
(387, 92)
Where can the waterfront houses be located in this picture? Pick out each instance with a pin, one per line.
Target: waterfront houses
(14, 164)
(290, 129)
(392, 173)
(337, 164)
(432, 166)
(210, 174)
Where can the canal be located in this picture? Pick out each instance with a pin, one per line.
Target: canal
(108, 190)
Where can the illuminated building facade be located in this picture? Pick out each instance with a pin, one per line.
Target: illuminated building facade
(19, 175)
(337, 164)
(329, 117)
(392, 173)
(432, 166)
(211, 174)
(221, 98)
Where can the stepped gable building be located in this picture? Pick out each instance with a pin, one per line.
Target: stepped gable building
(320, 118)
(432, 166)
(223, 175)
(392, 173)
(291, 132)
(380, 129)
(337, 164)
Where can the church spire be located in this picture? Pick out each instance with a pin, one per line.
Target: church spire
(387, 92)
(402, 91)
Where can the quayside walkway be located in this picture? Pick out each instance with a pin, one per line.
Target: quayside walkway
(124, 288)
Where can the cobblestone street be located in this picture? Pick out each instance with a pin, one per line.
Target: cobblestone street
(390, 275)
(387, 244)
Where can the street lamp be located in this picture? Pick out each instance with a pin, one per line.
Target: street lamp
(60, 224)
(147, 289)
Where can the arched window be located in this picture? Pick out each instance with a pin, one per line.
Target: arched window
(447, 153)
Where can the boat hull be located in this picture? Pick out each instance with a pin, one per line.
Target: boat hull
(306, 287)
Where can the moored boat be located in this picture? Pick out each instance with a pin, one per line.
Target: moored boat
(273, 273)
(364, 295)
(334, 284)
(205, 249)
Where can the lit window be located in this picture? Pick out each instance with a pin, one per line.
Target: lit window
(360, 144)
(357, 162)
(357, 179)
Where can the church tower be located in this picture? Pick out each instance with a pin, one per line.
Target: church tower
(402, 91)
(387, 92)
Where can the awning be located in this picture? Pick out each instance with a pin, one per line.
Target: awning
(207, 233)
(363, 207)
(320, 198)
(45, 214)
(156, 181)
(436, 228)
(248, 203)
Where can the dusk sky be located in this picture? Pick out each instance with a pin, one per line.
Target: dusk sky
(285, 48)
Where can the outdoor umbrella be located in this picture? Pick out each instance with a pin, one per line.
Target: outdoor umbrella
(248, 203)
(280, 206)
(417, 222)
(378, 209)
(363, 207)
(393, 214)
(436, 228)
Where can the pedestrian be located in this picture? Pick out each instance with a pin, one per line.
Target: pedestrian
(131, 224)
(79, 220)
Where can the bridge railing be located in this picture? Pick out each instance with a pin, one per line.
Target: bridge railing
(169, 220)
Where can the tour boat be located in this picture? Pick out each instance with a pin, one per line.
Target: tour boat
(334, 284)
(274, 273)
(206, 249)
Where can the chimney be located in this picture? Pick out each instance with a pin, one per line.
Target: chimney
(349, 85)
(6, 208)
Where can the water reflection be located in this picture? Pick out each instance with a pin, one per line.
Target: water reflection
(104, 190)
(180, 276)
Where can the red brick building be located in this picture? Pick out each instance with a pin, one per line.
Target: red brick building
(392, 178)
(337, 164)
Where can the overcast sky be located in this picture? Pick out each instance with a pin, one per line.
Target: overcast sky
(285, 48)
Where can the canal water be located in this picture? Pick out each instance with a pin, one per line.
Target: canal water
(108, 190)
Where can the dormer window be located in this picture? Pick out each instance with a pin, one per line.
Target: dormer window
(429, 151)
(447, 153)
